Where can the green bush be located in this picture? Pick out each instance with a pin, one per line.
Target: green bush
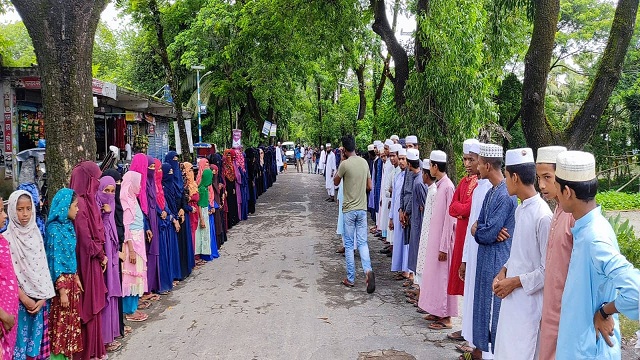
(612, 200)
(629, 244)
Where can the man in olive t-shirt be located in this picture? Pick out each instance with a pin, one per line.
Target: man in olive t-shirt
(356, 181)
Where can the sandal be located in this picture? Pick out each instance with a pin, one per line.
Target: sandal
(430, 317)
(347, 283)
(151, 297)
(439, 325)
(137, 317)
(467, 356)
(407, 283)
(114, 346)
(398, 276)
(456, 336)
(464, 348)
(420, 311)
(127, 330)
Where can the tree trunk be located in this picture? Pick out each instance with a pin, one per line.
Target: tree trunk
(422, 53)
(400, 59)
(536, 70)
(62, 33)
(319, 96)
(362, 91)
(581, 128)
(170, 76)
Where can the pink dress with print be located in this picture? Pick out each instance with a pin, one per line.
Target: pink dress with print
(8, 298)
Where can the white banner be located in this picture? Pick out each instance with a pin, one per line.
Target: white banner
(176, 133)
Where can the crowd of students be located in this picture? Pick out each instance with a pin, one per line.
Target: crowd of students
(112, 244)
(539, 282)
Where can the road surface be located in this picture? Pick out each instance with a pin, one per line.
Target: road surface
(275, 293)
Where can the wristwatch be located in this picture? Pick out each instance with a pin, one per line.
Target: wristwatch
(602, 312)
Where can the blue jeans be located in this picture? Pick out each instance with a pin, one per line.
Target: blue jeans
(355, 225)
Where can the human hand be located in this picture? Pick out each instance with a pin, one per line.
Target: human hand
(103, 263)
(505, 287)
(202, 224)
(181, 212)
(194, 210)
(106, 208)
(474, 228)
(604, 327)
(8, 321)
(462, 271)
(36, 309)
(503, 235)
(121, 256)
(132, 257)
(390, 224)
(176, 224)
(64, 299)
(79, 283)
(442, 256)
(501, 275)
(163, 215)
(149, 235)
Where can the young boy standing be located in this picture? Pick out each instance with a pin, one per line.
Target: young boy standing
(519, 283)
(600, 282)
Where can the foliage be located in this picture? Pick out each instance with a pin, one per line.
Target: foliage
(16, 49)
(627, 240)
(612, 200)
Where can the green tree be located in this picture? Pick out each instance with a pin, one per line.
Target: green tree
(16, 49)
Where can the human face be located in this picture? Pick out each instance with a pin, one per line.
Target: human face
(512, 185)
(564, 198)
(393, 157)
(483, 168)
(433, 170)
(402, 162)
(175, 158)
(386, 150)
(546, 175)
(383, 156)
(23, 209)
(73, 210)
(470, 161)
(410, 146)
(109, 190)
(152, 167)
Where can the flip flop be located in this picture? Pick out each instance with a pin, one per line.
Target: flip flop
(127, 330)
(464, 348)
(457, 337)
(439, 325)
(430, 317)
(144, 304)
(114, 346)
(347, 283)
(420, 311)
(137, 317)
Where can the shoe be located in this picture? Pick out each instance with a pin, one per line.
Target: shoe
(340, 250)
(371, 282)
(386, 250)
(389, 254)
(347, 283)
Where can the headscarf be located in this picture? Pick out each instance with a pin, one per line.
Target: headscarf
(176, 167)
(162, 202)
(172, 193)
(214, 184)
(203, 164)
(61, 236)
(227, 165)
(261, 157)
(240, 160)
(191, 185)
(140, 165)
(32, 189)
(151, 186)
(131, 184)
(204, 187)
(118, 212)
(27, 252)
(108, 219)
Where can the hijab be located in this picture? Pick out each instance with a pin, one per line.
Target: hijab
(35, 195)
(240, 160)
(162, 202)
(175, 165)
(27, 252)
(61, 236)
(131, 184)
(151, 186)
(171, 190)
(227, 165)
(140, 165)
(205, 187)
(203, 164)
(214, 184)
(118, 212)
(191, 185)
(108, 219)
(261, 157)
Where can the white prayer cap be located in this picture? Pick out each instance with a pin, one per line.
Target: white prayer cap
(321, 146)
(380, 147)
(411, 139)
(328, 145)
(377, 142)
(394, 138)
(413, 154)
(395, 148)
(471, 145)
(438, 156)
(426, 164)
(370, 147)
(388, 142)
(576, 166)
(490, 150)
(402, 152)
(548, 154)
(519, 156)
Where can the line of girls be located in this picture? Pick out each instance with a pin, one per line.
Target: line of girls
(112, 244)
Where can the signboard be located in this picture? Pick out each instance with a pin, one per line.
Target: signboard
(236, 138)
(272, 132)
(266, 127)
(103, 88)
(30, 83)
(176, 133)
(7, 134)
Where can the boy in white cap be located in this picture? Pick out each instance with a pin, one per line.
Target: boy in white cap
(411, 142)
(279, 161)
(387, 187)
(330, 171)
(383, 212)
(395, 139)
(600, 282)
(559, 249)
(413, 225)
(491, 232)
(439, 305)
(519, 283)
(431, 191)
(399, 251)
(323, 160)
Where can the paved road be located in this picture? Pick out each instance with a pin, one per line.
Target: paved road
(275, 293)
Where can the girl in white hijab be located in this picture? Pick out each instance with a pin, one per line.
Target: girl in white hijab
(30, 264)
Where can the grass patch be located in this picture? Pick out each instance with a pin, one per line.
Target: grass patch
(611, 200)
(628, 327)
